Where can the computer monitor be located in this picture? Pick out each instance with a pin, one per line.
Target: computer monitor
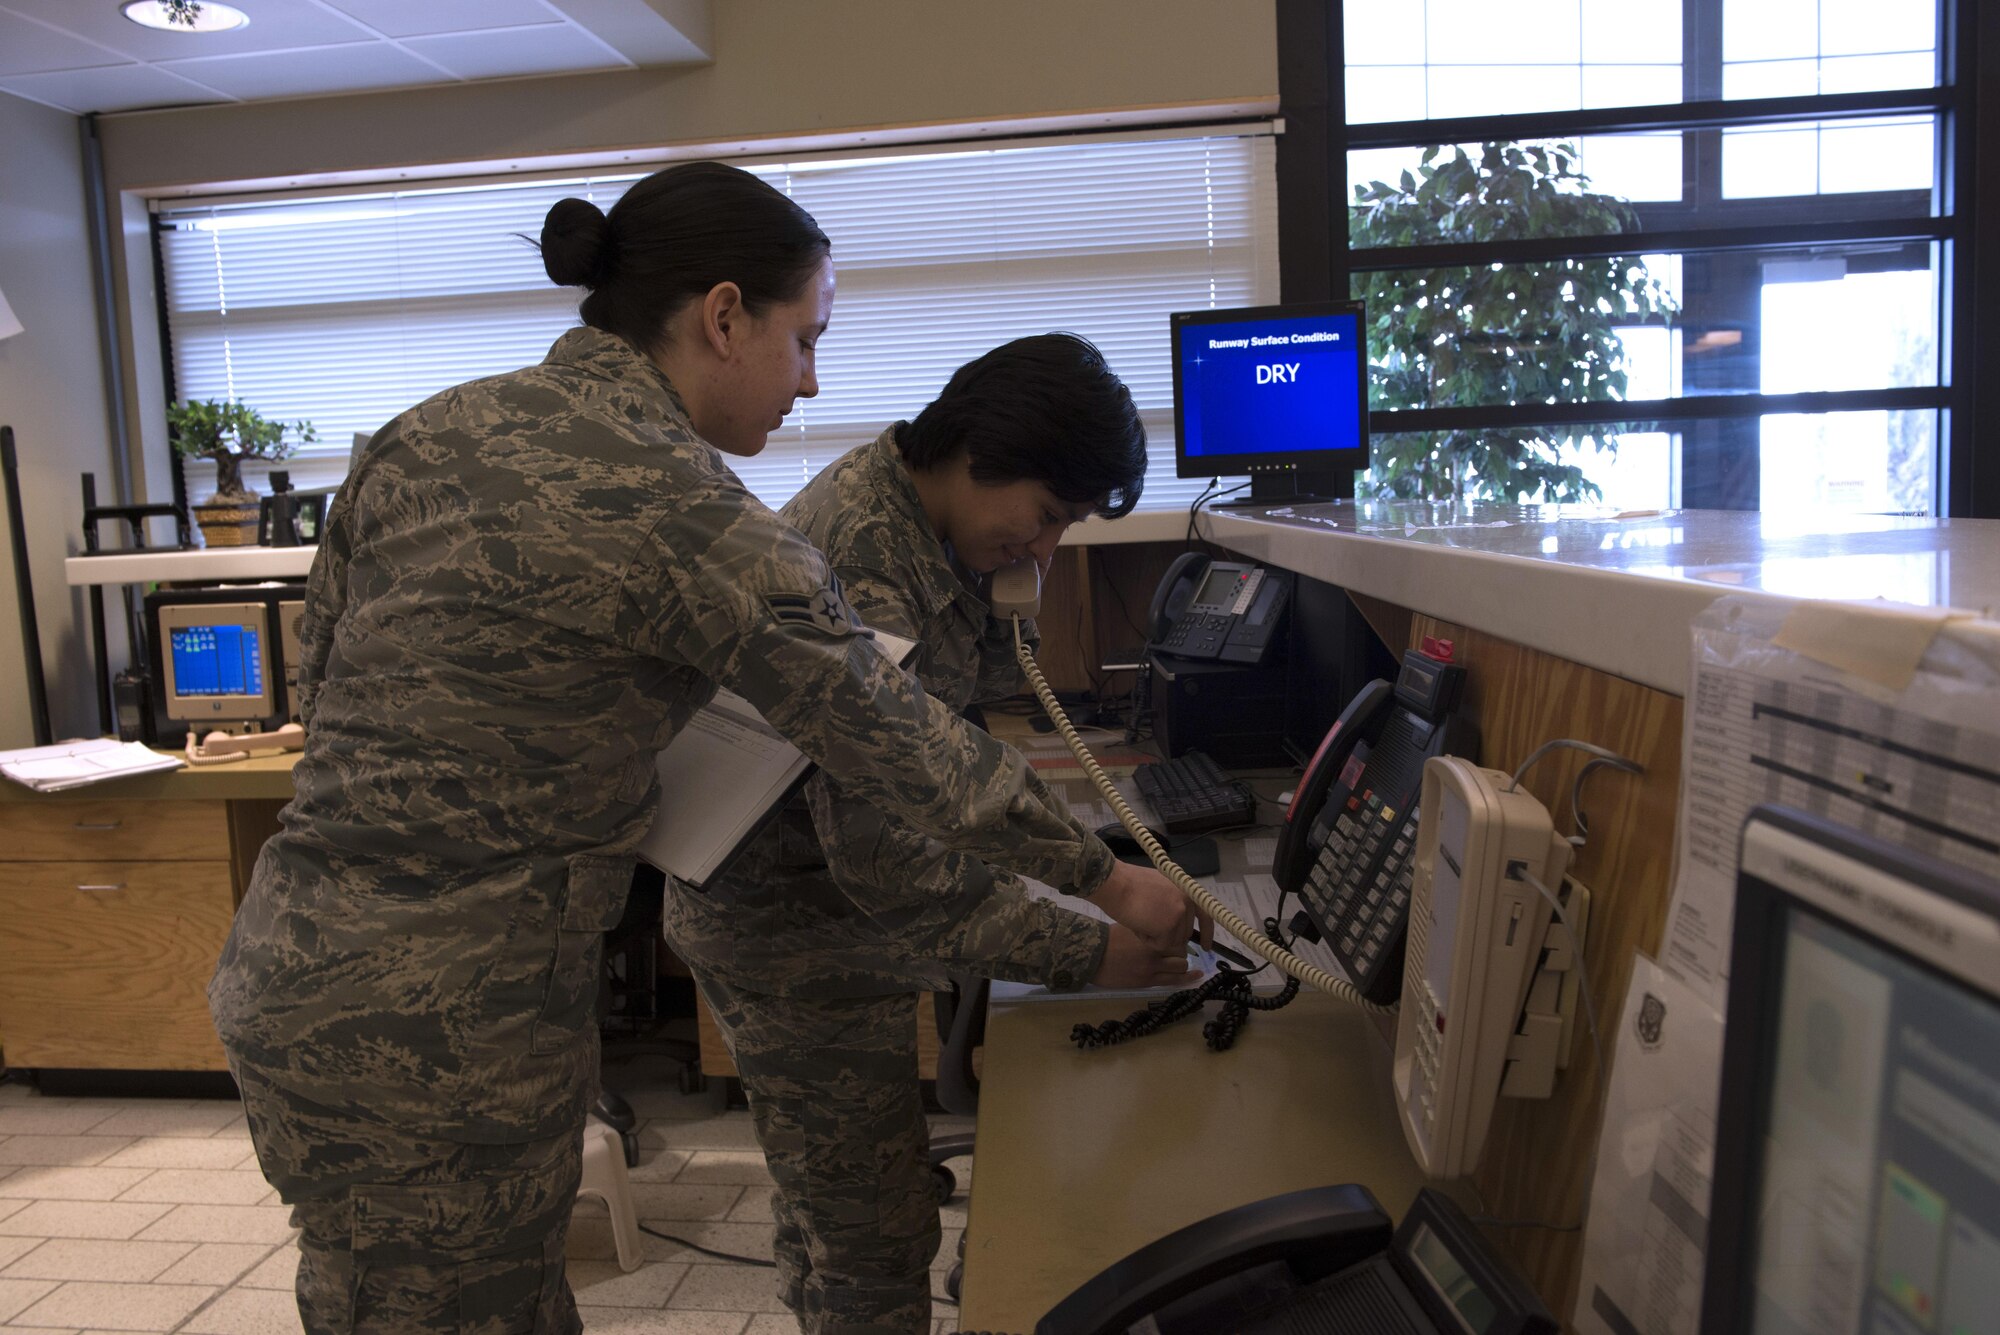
(1857, 1159)
(1275, 393)
(215, 662)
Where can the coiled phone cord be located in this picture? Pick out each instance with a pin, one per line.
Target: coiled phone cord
(1218, 912)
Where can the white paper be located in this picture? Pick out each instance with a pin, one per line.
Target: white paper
(1646, 1234)
(1918, 767)
(51, 769)
(720, 776)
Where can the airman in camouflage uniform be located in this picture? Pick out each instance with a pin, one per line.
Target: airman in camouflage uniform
(527, 586)
(811, 948)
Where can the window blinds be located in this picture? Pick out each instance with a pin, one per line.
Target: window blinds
(349, 309)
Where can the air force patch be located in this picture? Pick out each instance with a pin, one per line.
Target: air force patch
(826, 611)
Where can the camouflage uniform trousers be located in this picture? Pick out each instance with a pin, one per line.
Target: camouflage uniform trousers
(404, 1233)
(833, 1090)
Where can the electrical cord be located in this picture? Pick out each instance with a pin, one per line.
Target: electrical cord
(1226, 984)
(1603, 756)
(706, 1251)
(1213, 484)
(1217, 912)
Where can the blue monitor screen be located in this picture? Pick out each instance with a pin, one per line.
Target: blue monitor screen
(1276, 383)
(217, 660)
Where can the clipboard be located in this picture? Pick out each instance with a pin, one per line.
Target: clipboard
(722, 779)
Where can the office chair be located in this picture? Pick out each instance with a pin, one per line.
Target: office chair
(961, 1026)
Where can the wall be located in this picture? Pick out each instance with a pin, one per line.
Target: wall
(782, 69)
(52, 393)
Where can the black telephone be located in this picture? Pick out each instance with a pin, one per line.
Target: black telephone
(1319, 1259)
(1226, 611)
(1348, 846)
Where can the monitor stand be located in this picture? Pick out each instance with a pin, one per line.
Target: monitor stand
(1291, 486)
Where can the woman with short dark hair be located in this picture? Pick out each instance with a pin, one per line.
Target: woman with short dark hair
(811, 951)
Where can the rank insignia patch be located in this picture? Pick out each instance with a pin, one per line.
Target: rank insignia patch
(826, 610)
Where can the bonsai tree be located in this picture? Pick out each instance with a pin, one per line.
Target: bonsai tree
(230, 432)
(1542, 332)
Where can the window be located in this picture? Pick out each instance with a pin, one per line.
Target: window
(1770, 184)
(346, 309)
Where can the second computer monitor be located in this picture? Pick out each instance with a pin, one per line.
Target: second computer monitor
(1857, 1158)
(1274, 393)
(216, 661)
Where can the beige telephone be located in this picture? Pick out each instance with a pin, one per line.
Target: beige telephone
(1477, 927)
(220, 748)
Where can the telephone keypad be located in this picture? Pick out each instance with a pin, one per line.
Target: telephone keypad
(1360, 884)
(1429, 1052)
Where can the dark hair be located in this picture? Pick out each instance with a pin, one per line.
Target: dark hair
(1044, 409)
(673, 237)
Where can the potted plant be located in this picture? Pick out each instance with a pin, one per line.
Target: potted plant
(1542, 331)
(230, 432)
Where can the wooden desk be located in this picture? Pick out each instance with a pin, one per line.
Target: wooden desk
(1084, 1156)
(115, 900)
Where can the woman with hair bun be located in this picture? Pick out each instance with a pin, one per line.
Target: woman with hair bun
(526, 587)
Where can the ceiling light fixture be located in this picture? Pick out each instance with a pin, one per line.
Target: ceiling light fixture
(185, 15)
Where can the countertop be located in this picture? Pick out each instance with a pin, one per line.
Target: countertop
(1614, 590)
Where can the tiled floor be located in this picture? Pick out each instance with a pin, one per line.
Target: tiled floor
(150, 1215)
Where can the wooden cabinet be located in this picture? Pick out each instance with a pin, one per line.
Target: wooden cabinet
(112, 915)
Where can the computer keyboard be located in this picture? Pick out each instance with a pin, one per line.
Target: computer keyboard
(1191, 793)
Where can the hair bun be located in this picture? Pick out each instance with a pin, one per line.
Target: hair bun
(576, 244)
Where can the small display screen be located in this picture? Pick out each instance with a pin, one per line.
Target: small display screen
(217, 660)
(1447, 1274)
(1219, 587)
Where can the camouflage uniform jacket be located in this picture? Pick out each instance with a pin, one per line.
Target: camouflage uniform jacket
(851, 901)
(526, 587)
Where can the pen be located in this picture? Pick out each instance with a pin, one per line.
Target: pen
(1225, 952)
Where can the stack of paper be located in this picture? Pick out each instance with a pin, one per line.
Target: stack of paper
(50, 769)
(722, 777)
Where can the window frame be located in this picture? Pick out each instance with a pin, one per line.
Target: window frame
(1317, 263)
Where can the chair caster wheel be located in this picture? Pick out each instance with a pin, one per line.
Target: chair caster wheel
(692, 1080)
(954, 1280)
(630, 1140)
(946, 1182)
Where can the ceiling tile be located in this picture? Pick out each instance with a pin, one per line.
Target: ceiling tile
(514, 51)
(32, 48)
(274, 25)
(400, 18)
(110, 88)
(324, 69)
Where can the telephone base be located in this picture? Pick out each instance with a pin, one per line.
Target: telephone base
(1236, 714)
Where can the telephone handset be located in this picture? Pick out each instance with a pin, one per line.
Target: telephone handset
(1225, 611)
(1349, 842)
(1017, 590)
(1477, 926)
(1319, 1259)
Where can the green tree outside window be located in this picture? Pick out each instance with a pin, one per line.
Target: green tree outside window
(1543, 332)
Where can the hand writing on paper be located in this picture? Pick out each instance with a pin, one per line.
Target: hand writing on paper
(1146, 902)
(1130, 963)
